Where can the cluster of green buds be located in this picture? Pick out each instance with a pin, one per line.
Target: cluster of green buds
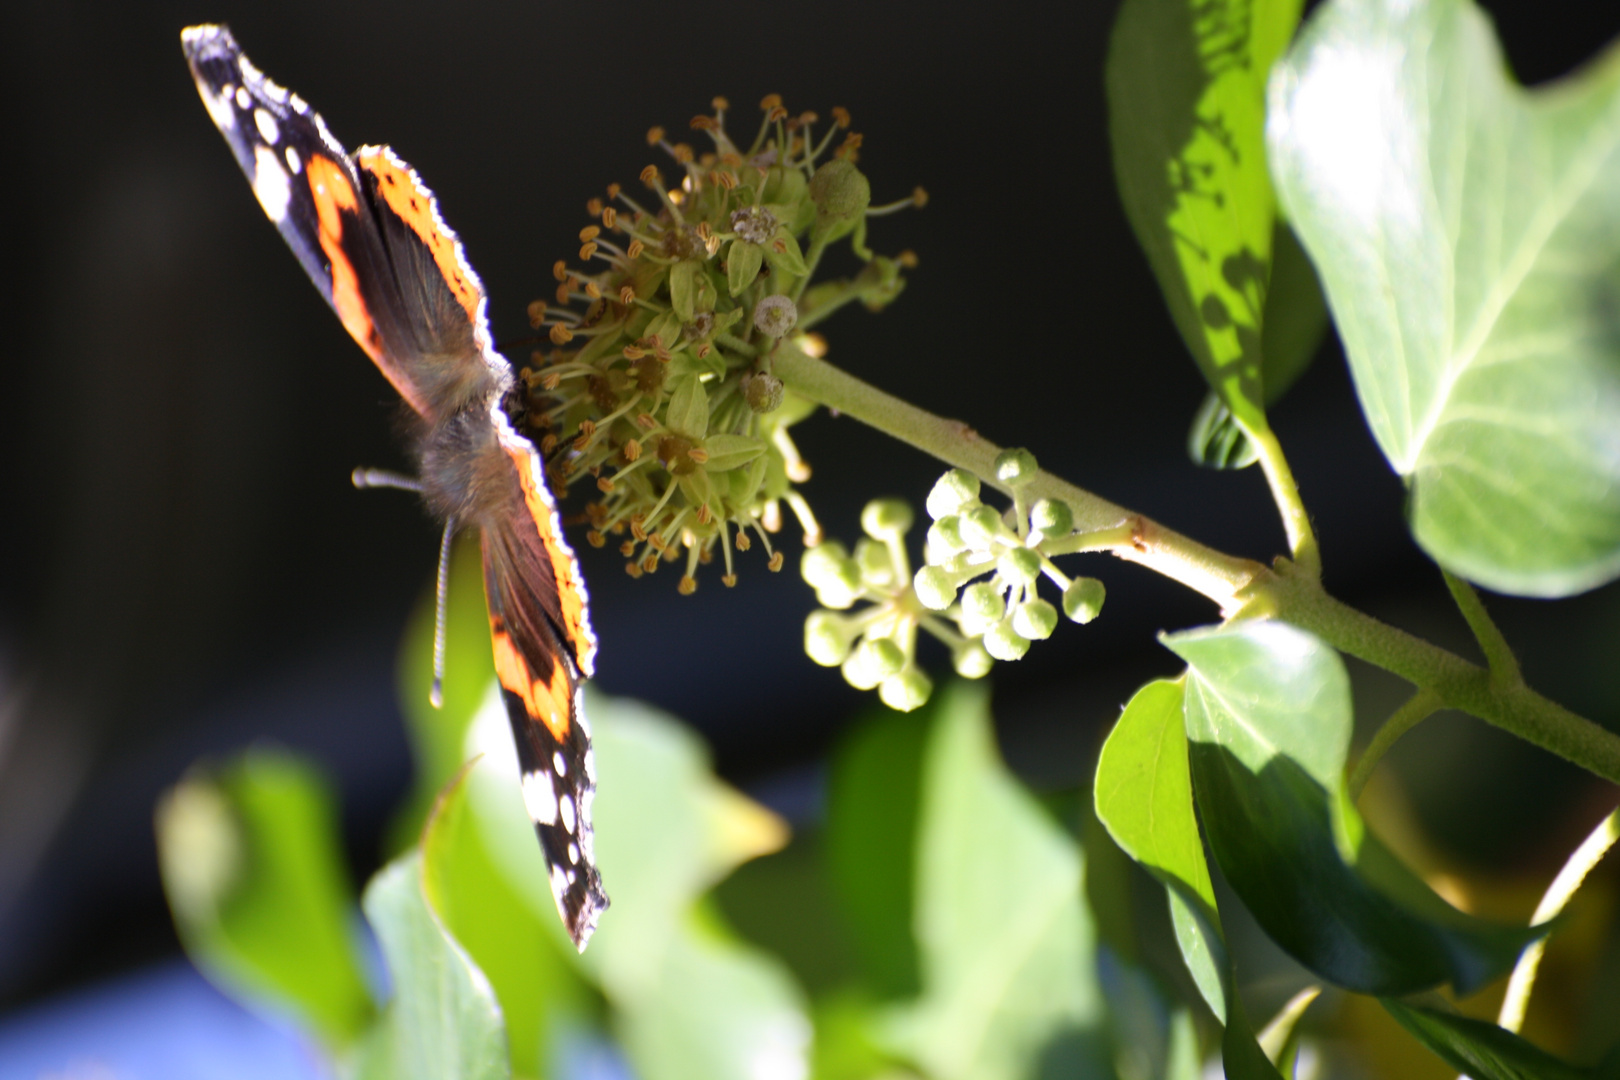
(977, 592)
(659, 384)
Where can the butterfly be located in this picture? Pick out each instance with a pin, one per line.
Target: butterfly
(369, 235)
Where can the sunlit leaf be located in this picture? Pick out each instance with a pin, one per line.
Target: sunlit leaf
(1143, 794)
(255, 878)
(1268, 724)
(1186, 102)
(443, 1020)
(689, 1001)
(1005, 945)
(1468, 236)
(541, 993)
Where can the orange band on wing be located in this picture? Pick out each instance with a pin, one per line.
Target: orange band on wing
(547, 704)
(334, 195)
(405, 195)
(570, 590)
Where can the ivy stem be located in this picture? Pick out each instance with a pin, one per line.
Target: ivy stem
(1285, 493)
(1417, 708)
(1503, 664)
(1558, 894)
(1292, 592)
(1219, 576)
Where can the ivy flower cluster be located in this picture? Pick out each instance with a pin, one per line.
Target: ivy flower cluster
(659, 384)
(977, 592)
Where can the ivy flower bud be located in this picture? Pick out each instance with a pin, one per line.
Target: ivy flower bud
(886, 519)
(971, 661)
(833, 574)
(1016, 467)
(873, 660)
(982, 607)
(1083, 599)
(1051, 517)
(934, 587)
(980, 527)
(775, 316)
(827, 638)
(1035, 619)
(1020, 566)
(952, 493)
(877, 569)
(1005, 643)
(906, 691)
(841, 194)
(945, 535)
(763, 392)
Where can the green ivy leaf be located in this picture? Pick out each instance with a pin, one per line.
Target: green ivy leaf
(531, 967)
(443, 1020)
(255, 879)
(1480, 1049)
(1268, 725)
(1005, 944)
(1468, 234)
(873, 797)
(1186, 104)
(1295, 319)
(1143, 794)
(688, 1000)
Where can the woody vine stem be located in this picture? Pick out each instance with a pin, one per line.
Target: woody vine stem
(1242, 587)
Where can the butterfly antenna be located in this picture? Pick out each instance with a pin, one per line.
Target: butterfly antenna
(441, 614)
(384, 478)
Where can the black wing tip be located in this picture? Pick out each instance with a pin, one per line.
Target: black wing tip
(208, 41)
(581, 922)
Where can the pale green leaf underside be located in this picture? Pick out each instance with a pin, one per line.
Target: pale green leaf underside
(1467, 232)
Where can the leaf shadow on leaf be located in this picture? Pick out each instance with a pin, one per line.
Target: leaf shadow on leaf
(1273, 835)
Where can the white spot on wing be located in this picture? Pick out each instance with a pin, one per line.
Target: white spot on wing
(294, 162)
(218, 106)
(559, 884)
(243, 100)
(559, 763)
(267, 125)
(565, 804)
(540, 799)
(270, 183)
(573, 852)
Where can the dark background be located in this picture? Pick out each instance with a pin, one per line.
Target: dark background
(187, 568)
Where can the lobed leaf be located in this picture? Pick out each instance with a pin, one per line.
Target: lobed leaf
(1468, 236)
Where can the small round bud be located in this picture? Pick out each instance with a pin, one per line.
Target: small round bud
(841, 193)
(873, 660)
(980, 527)
(934, 587)
(952, 493)
(1019, 565)
(982, 607)
(906, 691)
(886, 519)
(945, 535)
(1083, 599)
(1016, 467)
(822, 563)
(1004, 643)
(971, 661)
(877, 570)
(826, 638)
(763, 392)
(1035, 620)
(775, 316)
(1052, 517)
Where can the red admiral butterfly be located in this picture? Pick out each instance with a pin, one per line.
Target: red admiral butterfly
(369, 235)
